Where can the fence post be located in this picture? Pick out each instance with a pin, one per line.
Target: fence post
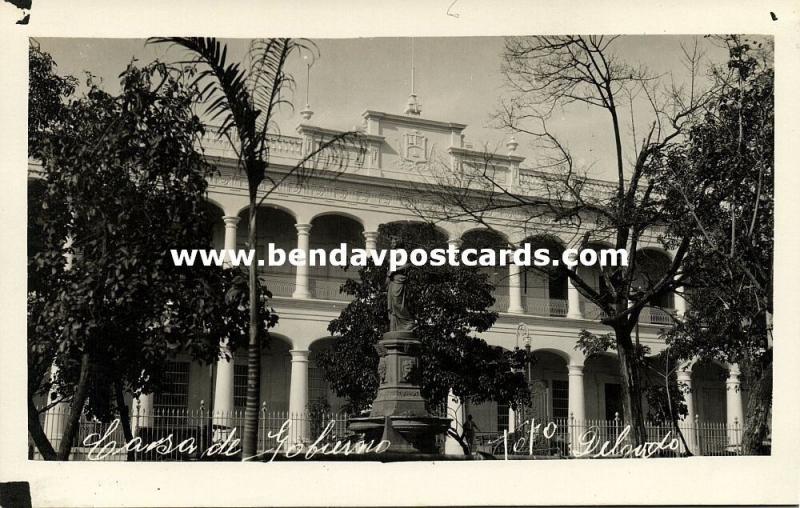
(136, 410)
(203, 428)
(571, 433)
(263, 428)
(700, 437)
(737, 438)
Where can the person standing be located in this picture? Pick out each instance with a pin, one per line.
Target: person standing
(468, 435)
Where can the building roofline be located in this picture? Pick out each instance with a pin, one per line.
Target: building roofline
(415, 120)
(482, 154)
(303, 127)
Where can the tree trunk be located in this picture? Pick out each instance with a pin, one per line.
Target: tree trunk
(631, 386)
(124, 418)
(37, 433)
(250, 434)
(757, 415)
(674, 420)
(75, 409)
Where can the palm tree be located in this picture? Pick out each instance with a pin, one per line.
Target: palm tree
(246, 100)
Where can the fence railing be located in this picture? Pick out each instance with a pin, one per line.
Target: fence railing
(201, 435)
(190, 435)
(568, 437)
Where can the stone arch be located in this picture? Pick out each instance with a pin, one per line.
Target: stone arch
(482, 238)
(242, 211)
(214, 223)
(709, 389)
(424, 234)
(275, 374)
(341, 213)
(544, 289)
(651, 265)
(213, 201)
(328, 232)
(564, 355)
(319, 390)
(603, 387)
(549, 384)
(274, 225)
(502, 239)
(593, 276)
(281, 339)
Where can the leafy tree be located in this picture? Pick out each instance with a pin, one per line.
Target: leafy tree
(723, 181)
(47, 95)
(451, 307)
(246, 101)
(660, 387)
(120, 185)
(545, 74)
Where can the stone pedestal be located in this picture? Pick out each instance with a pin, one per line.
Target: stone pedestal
(398, 412)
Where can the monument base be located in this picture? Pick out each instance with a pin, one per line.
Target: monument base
(406, 434)
(398, 413)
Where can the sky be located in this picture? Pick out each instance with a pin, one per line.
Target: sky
(457, 79)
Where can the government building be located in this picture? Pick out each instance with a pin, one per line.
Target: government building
(542, 313)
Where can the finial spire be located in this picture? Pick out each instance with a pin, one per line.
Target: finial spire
(307, 112)
(413, 107)
(512, 145)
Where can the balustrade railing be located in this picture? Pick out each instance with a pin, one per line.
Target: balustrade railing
(279, 285)
(329, 288)
(591, 311)
(657, 316)
(545, 306)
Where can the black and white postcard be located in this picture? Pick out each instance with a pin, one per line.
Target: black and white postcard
(453, 253)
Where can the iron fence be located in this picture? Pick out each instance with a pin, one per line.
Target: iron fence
(190, 435)
(201, 435)
(595, 438)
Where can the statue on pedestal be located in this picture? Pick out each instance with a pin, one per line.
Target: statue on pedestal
(398, 412)
(400, 318)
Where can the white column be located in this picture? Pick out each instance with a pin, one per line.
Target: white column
(230, 236)
(371, 240)
(223, 387)
(688, 422)
(512, 420)
(56, 417)
(734, 407)
(514, 289)
(142, 412)
(573, 301)
(576, 405)
(455, 411)
(298, 395)
(301, 289)
(679, 302)
(455, 242)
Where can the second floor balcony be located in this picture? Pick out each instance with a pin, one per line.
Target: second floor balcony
(323, 287)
